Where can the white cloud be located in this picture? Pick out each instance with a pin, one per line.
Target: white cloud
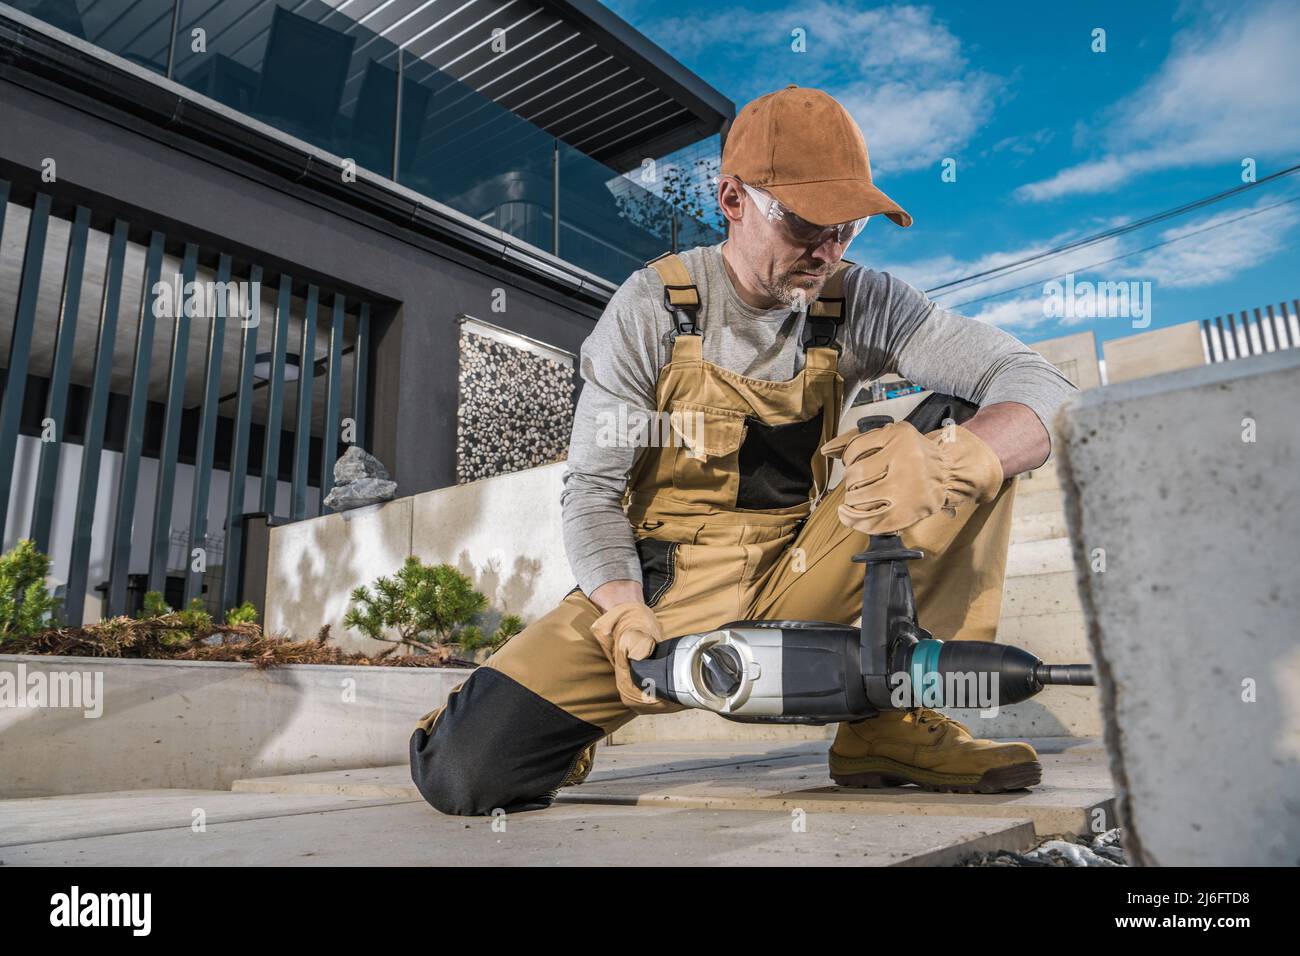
(1201, 252)
(900, 72)
(1231, 248)
(928, 273)
(1230, 89)
(1018, 314)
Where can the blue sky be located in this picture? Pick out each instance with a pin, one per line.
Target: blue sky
(1052, 141)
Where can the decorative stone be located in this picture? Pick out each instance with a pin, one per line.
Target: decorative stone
(516, 409)
(357, 494)
(357, 463)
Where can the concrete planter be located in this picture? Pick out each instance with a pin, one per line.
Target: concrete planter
(193, 724)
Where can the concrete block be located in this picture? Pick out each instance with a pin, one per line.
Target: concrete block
(202, 725)
(1074, 355)
(313, 565)
(505, 534)
(1154, 353)
(1193, 622)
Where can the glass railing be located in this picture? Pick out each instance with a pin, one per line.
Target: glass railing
(310, 71)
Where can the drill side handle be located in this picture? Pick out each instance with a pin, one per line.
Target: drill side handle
(888, 602)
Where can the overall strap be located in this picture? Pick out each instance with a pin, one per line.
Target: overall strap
(826, 313)
(681, 296)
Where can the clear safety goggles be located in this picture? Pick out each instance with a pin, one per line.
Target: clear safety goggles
(800, 230)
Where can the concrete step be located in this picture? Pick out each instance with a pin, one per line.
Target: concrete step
(1038, 527)
(1032, 501)
(1052, 593)
(1048, 470)
(1056, 638)
(1040, 557)
(1056, 712)
(279, 832)
(1041, 477)
(776, 777)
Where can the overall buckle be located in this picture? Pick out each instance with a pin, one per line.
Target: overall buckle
(687, 325)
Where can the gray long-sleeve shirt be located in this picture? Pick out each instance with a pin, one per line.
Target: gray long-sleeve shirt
(891, 327)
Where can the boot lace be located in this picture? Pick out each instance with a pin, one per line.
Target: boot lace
(935, 720)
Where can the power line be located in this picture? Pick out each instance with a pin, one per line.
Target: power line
(1021, 264)
(1127, 255)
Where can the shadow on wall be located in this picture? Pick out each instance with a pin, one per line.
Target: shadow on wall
(505, 594)
(335, 554)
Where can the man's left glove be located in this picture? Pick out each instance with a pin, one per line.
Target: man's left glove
(631, 631)
(894, 476)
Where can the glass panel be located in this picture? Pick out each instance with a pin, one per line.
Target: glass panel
(609, 224)
(462, 149)
(136, 30)
(305, 68)
(299, 67)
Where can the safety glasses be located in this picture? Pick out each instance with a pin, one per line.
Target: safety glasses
(799, 230)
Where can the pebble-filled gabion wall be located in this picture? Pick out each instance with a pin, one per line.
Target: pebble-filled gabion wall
(516, 408)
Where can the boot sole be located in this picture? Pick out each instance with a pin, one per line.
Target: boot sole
(887, 773)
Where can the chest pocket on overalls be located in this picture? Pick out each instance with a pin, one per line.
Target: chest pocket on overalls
(776, 463)
(706, 466)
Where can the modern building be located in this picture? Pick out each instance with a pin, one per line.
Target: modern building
(238, 236)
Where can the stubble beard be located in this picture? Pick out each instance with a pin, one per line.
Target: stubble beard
(795, 289)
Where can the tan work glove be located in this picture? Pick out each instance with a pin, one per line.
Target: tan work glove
(894, 476)
(631, 631)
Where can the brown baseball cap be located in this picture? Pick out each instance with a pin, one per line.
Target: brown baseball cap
(801, 146)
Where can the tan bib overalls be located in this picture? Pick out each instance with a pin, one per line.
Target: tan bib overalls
(726, 530)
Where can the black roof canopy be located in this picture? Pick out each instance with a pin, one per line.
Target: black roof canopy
(570, 67)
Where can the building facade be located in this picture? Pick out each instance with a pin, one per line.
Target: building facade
(237, 237)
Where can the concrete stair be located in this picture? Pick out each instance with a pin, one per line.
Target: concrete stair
(1041, 613)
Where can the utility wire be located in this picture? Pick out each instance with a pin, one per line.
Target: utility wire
(1020, 264)
(1127, 255)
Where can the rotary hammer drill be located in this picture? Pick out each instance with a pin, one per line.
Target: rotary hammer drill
(815, 672)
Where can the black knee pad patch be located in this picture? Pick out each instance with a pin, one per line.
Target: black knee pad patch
(496, 745)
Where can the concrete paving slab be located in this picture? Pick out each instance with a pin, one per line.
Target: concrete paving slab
(566, 834)
(1075, 797)
(1076, 793)
(46, 819)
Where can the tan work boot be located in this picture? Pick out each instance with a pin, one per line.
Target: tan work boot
(935, 752)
